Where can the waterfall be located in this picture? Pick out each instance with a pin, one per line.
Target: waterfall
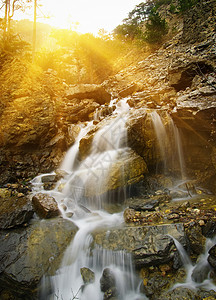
(170, 145)
(198, 274)
(80, 194)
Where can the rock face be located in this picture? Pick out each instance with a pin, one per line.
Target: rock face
(149, 245)
(88, 91)
(27, 254)
(198, 31)
(212, 257)
(126, 170)
(45, 205)
(15, 209)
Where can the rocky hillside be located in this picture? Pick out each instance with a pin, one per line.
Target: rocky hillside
(40, 114)
(41, 117)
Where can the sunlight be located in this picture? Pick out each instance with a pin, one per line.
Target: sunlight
(87, 16)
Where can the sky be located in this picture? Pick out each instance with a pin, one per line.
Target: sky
(92, 15)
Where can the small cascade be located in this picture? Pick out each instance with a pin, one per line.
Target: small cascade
(198, 275)
(172, 156)
(170, 145)
(81, 193)
(162, 137)
(71, 156)
(178, 149)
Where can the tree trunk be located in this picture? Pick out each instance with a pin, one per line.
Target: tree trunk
(34, 30)
(5, 20)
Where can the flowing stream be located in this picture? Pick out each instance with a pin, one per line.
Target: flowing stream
(198, 275)
(80, 195)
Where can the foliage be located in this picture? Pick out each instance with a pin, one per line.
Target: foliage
(132, 26)
(156, 28)
(144, 14)
(145, 23)
(184, 5)
(82, 58)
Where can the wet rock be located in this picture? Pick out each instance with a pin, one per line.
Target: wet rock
(148, 204)
(150, 245)
(212, 257)
(27, 254)
(88, 91)
(179, 294)
(111, 294)
(209, 229)
(88, 275)
(48, 178)
(154, 285)
(208, 295)
(108, 284)
(126, 170)
(195, 237)
(45, 205)
(15, 210)
(107, 280)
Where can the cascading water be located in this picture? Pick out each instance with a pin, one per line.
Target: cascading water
(198, 275)
(171, 153)
(86, 180)
(170, 146)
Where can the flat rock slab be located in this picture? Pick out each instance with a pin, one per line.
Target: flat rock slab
(89, 91)
(27, 254)
(15, 210)
(149, 245)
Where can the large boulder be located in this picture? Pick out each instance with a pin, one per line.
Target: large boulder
(45, 205)
(15, 209)
(88, 91)
(151, 245)
(27, 254)
(127, 169)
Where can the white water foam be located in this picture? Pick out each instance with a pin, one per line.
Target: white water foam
(108, 144)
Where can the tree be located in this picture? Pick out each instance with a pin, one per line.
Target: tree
(132, 26)
(156, 28)
(10, 7)
(144, 22)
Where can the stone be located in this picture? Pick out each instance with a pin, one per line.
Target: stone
(88, 91)
(128, 91)
(126, 170)
(154, 285)
(150, 245)
(45, 206)
(212, 257)
(179, 294)
(15, 210)
(26, 254)
(148, 204)
(107, 280)
(195, 237)
(88, 275)
(48, 178)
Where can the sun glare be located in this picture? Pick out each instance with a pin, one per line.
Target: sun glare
(87, 16)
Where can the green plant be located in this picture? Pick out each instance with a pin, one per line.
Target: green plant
(184, 5)
(156, 28)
